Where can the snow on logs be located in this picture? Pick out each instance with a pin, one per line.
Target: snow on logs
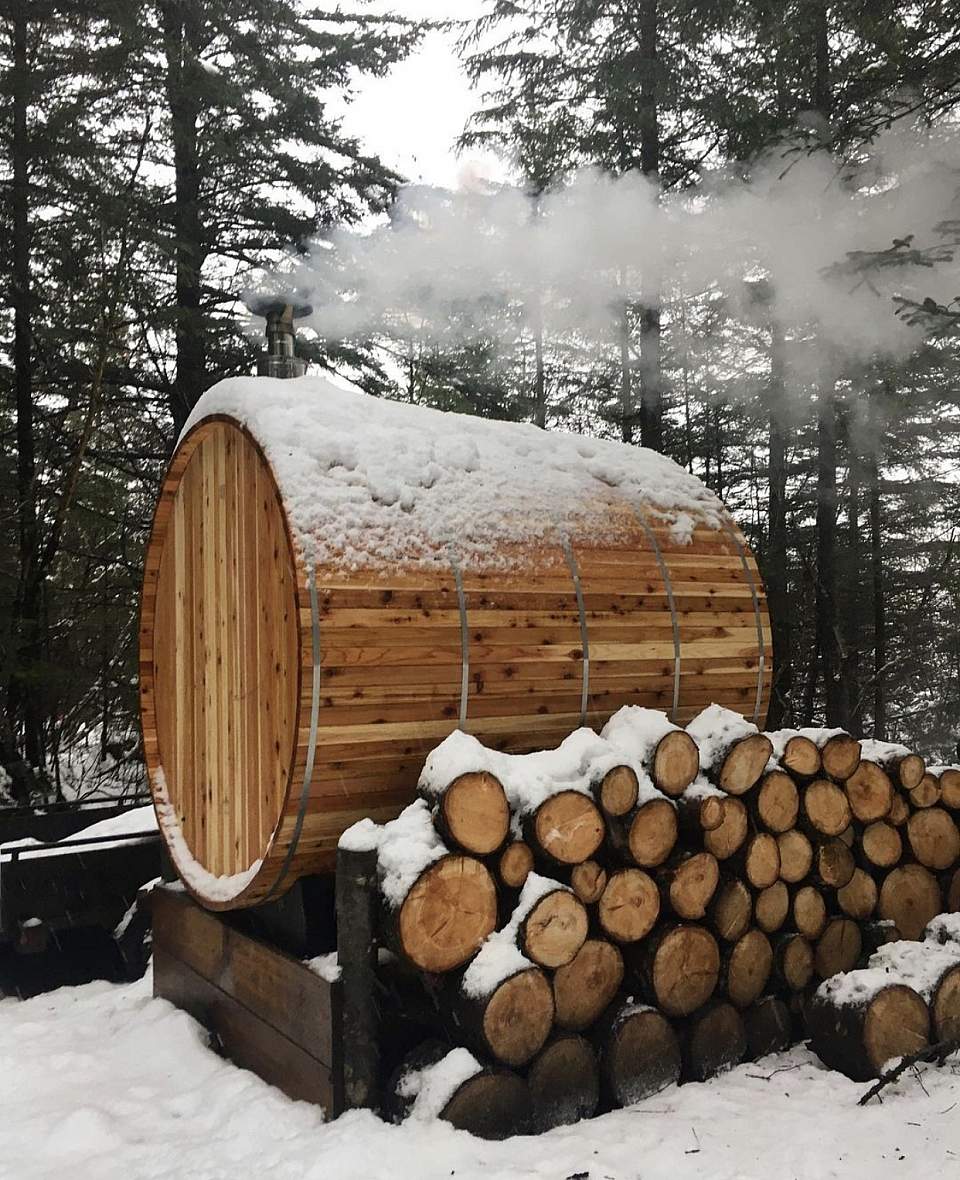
(642, 933)
(336, 582)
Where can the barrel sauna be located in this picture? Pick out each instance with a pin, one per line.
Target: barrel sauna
(335, 582)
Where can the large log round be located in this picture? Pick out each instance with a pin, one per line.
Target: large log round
(316, 616)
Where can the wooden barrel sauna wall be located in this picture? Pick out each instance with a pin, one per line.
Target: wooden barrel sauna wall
(335, 582)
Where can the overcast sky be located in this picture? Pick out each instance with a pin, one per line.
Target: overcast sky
(412, 117)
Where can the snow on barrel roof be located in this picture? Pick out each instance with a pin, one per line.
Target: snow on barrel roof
(369, 481)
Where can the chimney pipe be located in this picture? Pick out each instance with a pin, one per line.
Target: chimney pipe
(280, 359)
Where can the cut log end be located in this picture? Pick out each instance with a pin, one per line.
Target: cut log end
(568, 827)
(516, 864)
(801, 757)
(587, 984)
(639, 1057)
(747, 968)
(716, 1041)
(796, 856)
(588, 881)
(494, 1104)
(653, 833)
(772, 907)
(475, 813)
(630, 905)
(869, 792)
(761, 861)
(554, 929)
(838, 948)
(618, 790)
(778, 802)
(731, 910)
(447, 914)
(858, 898)
(909, 897)
(826, 807)
(834, 864)
(881, 844)
(950, 788)
(945, 1007)
(744, 764)
(518, 1017)
(769, 1028)
(934, 838)
(926, 793)
(858, 1039)
(676, 763)
(684, 969)
(840, 756)
(910, 770)
(564, 1083)
(794, 961)
(809, 912)
(692, 885)
(728, 837)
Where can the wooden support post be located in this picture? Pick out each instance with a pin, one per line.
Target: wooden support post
(357, 956)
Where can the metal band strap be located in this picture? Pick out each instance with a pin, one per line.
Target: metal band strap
(312, 740)
(464, 635)
(756, 613)
(584, 633)
(668, 586)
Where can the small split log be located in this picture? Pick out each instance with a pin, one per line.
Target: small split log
(768, 1026)
(838, 948)
(728, 836)
(909, 897)
(731, 909)
(881, 845)
(809, 912)
(771, 907)
(934, 838)
(796, 856)
(639, 1054)
(870, 792)
(858, 898)
(777, 802)
(584, 987)
(554, 929)
(515, 864)
(793, 961)
(840, 756)
(564, 1083)
(826, 808)
(447, 914)
(859, 1037)
(745, 968)
(567, 828)
(681, 966)
(714, 1041)
(629, 906)
(801, 757)
(688, 884)
(473, 813)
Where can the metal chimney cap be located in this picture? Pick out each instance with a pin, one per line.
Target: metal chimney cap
(267, 305)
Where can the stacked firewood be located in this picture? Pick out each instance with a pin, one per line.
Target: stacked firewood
(586, 925)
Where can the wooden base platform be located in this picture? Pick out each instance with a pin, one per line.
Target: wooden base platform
(270, 1012)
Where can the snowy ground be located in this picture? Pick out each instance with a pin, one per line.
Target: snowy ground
(103, 1082)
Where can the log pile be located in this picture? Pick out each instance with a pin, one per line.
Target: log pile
(652, 904)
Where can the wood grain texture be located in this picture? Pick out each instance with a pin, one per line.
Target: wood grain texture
(226, 658)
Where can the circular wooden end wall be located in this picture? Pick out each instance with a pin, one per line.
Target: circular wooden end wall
(220, 666)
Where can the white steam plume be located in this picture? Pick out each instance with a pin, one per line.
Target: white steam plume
(580, 252)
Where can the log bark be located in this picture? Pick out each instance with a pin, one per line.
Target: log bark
(870, 792)
(771, 907)
(566, 829)
(777, 802)
(727, 838)
(793, 961)
(680, 968)
(446, 915)
(933, 838)
(826, 809)
(688, 883)
(858, 898)
(554, 929)
(745, 969)
(646, 835)
(909, 897)
(512, 1023)
(584, 987)
(796, 856)
(731, 910)
(639, 1054)
(859, 1038)
(472, 813)
(629, 906)
(769, 1028)
(564, 1083)
(714, 1041)
(838, 948)
(880, 845)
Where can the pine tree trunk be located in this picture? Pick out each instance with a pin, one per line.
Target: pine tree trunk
(776, 564)
(651, 395)
(878, 594)
(826, 592)
(181, 38)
